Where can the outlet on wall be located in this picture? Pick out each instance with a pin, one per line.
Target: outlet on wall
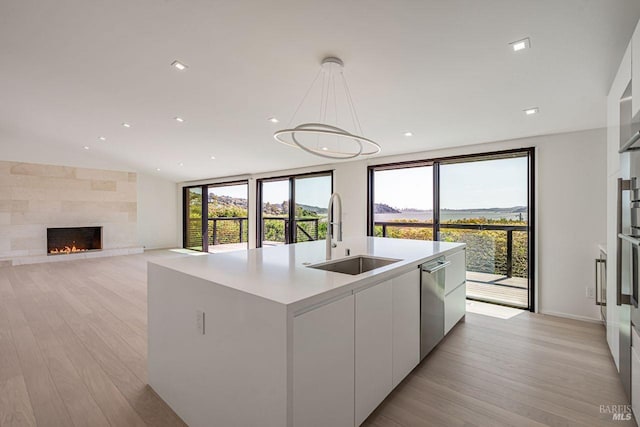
(591, 292)
(200, 321)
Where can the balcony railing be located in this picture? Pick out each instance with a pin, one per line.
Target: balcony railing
(228, 230)
(276, 229)
(498, 259)
(224, 230)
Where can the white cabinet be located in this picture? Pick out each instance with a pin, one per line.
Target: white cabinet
(455, 305)
(456, 271)
(455, 292)
(373, 359)
(635, 70)
(387, 334)
(323, 368)
(349, 354)
(406, 324)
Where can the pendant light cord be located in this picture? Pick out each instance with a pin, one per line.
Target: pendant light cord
(354, 113)
(304, 98)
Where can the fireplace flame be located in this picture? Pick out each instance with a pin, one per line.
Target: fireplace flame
(66, 250)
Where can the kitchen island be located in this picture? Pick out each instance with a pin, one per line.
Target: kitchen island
(260, 338)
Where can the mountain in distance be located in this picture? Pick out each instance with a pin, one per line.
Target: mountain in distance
(274, 208)
(316, 209)
(228, 201)
(381, 208)
(514, 209)
(416, 210)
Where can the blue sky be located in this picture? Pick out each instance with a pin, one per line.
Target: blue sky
(239, 191)
(485, 184)
(313, 191)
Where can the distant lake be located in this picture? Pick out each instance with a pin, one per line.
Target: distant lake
(448, 215)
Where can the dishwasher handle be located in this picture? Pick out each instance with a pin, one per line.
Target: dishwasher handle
(432, 268)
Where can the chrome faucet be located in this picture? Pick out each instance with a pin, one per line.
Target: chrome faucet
(333, 225)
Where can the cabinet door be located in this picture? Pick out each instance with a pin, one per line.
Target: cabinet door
(323, 371)
(456, 271)
(373, 359)
(635, 381)
(635, 71)
(406, 324)
(455, 306)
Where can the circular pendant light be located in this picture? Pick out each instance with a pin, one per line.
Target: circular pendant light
(329, 140)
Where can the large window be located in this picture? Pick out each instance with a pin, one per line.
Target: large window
(403, 211)
(484, 201)
(217, 221)
(293, 208)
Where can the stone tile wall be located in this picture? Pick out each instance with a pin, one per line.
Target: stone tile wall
(34, 197)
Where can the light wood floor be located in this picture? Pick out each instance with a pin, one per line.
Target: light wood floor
(73, 353)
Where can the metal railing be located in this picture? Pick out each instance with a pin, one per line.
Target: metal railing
(225, 230)
(508, 229)
(306, 229)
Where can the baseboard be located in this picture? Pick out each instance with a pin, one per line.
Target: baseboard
(571, 316)
(38, 259)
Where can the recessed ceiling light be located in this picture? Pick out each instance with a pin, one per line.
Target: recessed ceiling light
(273, 120)
(86, 147)
(530, 111)
(102, 138)
(179, 65)
(127, 125)
(181, 164)
(408, 134)
(325, 149)
(213, 157)
(158, 169)
(178, 119)
(520, 44)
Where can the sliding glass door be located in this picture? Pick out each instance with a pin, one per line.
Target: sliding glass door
(311, 195)
(193, 219)
(484, 203)
(293, 208)
(216, 217)
(227, 219)
(403, 211)
(275, 196)
(483, 200)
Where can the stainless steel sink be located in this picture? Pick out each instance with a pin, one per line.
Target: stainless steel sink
(354, 265)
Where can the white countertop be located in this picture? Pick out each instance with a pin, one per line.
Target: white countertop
(279, 273)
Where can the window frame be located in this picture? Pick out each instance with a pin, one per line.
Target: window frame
(528, 152)
(205, 212)
(291, 178)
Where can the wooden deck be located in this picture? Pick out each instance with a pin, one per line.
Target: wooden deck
(228, 247)
(498, 289)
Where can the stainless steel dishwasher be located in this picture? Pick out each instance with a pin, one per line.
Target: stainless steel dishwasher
(431, 304)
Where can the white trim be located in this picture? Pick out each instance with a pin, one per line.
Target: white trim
(571, 316)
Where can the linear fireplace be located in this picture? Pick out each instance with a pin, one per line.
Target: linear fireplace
(62, 241)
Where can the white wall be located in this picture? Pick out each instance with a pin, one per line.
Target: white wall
(570, 210)
(158, 223)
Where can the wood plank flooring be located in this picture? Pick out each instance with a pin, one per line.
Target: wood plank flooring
(73, 353)
(527, 370)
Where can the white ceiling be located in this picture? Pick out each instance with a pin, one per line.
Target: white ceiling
(72, 71)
